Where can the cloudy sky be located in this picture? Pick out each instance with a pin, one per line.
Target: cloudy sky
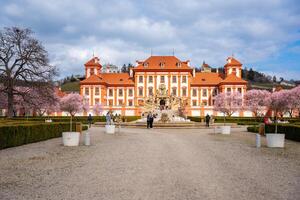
(262, 34)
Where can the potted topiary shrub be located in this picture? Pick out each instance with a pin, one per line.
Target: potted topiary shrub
(278, 103)
(71, 103)
(227, 103)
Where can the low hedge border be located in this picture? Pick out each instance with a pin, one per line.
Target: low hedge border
(291, 131)
(82, 119)
(245, 120)
(16, 135)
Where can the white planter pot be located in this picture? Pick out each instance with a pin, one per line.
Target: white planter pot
(110, 129)
(70, 138)
(225, 130)
(275, 140)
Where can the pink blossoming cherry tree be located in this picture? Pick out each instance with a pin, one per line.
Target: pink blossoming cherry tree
(97, 108)
(278, 103)
(228, 103)
(71, 103)
(257, 101)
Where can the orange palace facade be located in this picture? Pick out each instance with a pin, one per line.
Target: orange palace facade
(125, 93)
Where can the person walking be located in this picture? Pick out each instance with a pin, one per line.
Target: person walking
(90, 120)
(207, 119)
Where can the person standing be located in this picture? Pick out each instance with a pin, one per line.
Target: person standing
(90, 120)
(108, 119)
(151, 120)
(148, 119)
(207, 119)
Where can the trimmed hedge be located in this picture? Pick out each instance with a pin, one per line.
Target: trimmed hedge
(16, 135)
(291, 131)
(82, 119)
(253, 129)
(229, 119)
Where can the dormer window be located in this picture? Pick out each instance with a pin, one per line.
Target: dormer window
(162, 64)
(178, 64)
(145, 64)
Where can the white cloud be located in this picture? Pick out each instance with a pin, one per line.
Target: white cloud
(124, 31)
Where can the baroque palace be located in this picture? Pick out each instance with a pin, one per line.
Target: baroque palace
(162, 82)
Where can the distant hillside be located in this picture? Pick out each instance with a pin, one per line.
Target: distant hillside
(70, 87)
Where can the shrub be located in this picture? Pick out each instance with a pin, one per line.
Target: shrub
(85, 127)
(253, 129)
(82, 119)
(16, 135)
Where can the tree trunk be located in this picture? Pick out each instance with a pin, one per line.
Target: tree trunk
(10, 100)
(71, 123)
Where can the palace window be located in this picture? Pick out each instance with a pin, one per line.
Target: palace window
(120, 102)
(194, 102)
(215, 92)
(162, 79)
(130, 103)
(194, 92)
(229, 90)
(240, 90)
(145, 64)
(184, 91)
(130, 92)
(150, 79)
(97, 91)
(110, 102)
(183, 79)
(141, 79)
(174, 91)
(97, 100)
(204, 103)
(204, 92)
(150, 90)
(174, 79)
(140, 91)
(120, 92)
(110, 92)
(178, 64)
(86, 91)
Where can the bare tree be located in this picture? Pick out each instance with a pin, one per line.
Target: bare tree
(23, 62)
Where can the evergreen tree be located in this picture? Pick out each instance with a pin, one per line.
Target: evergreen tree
(274, 79)
(251, 75)
(124, 69)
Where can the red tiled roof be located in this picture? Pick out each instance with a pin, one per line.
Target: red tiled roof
(206, 78)
(109, 79)
(59, 93)
(233, 79)
(231, 61)
(118, 78)
(93, 62)
(161, 63)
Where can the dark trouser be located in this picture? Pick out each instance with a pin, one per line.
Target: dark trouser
(151, 124)
(148, 124)
(207, 123)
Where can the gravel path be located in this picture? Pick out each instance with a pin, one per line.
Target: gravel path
(152, 164)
